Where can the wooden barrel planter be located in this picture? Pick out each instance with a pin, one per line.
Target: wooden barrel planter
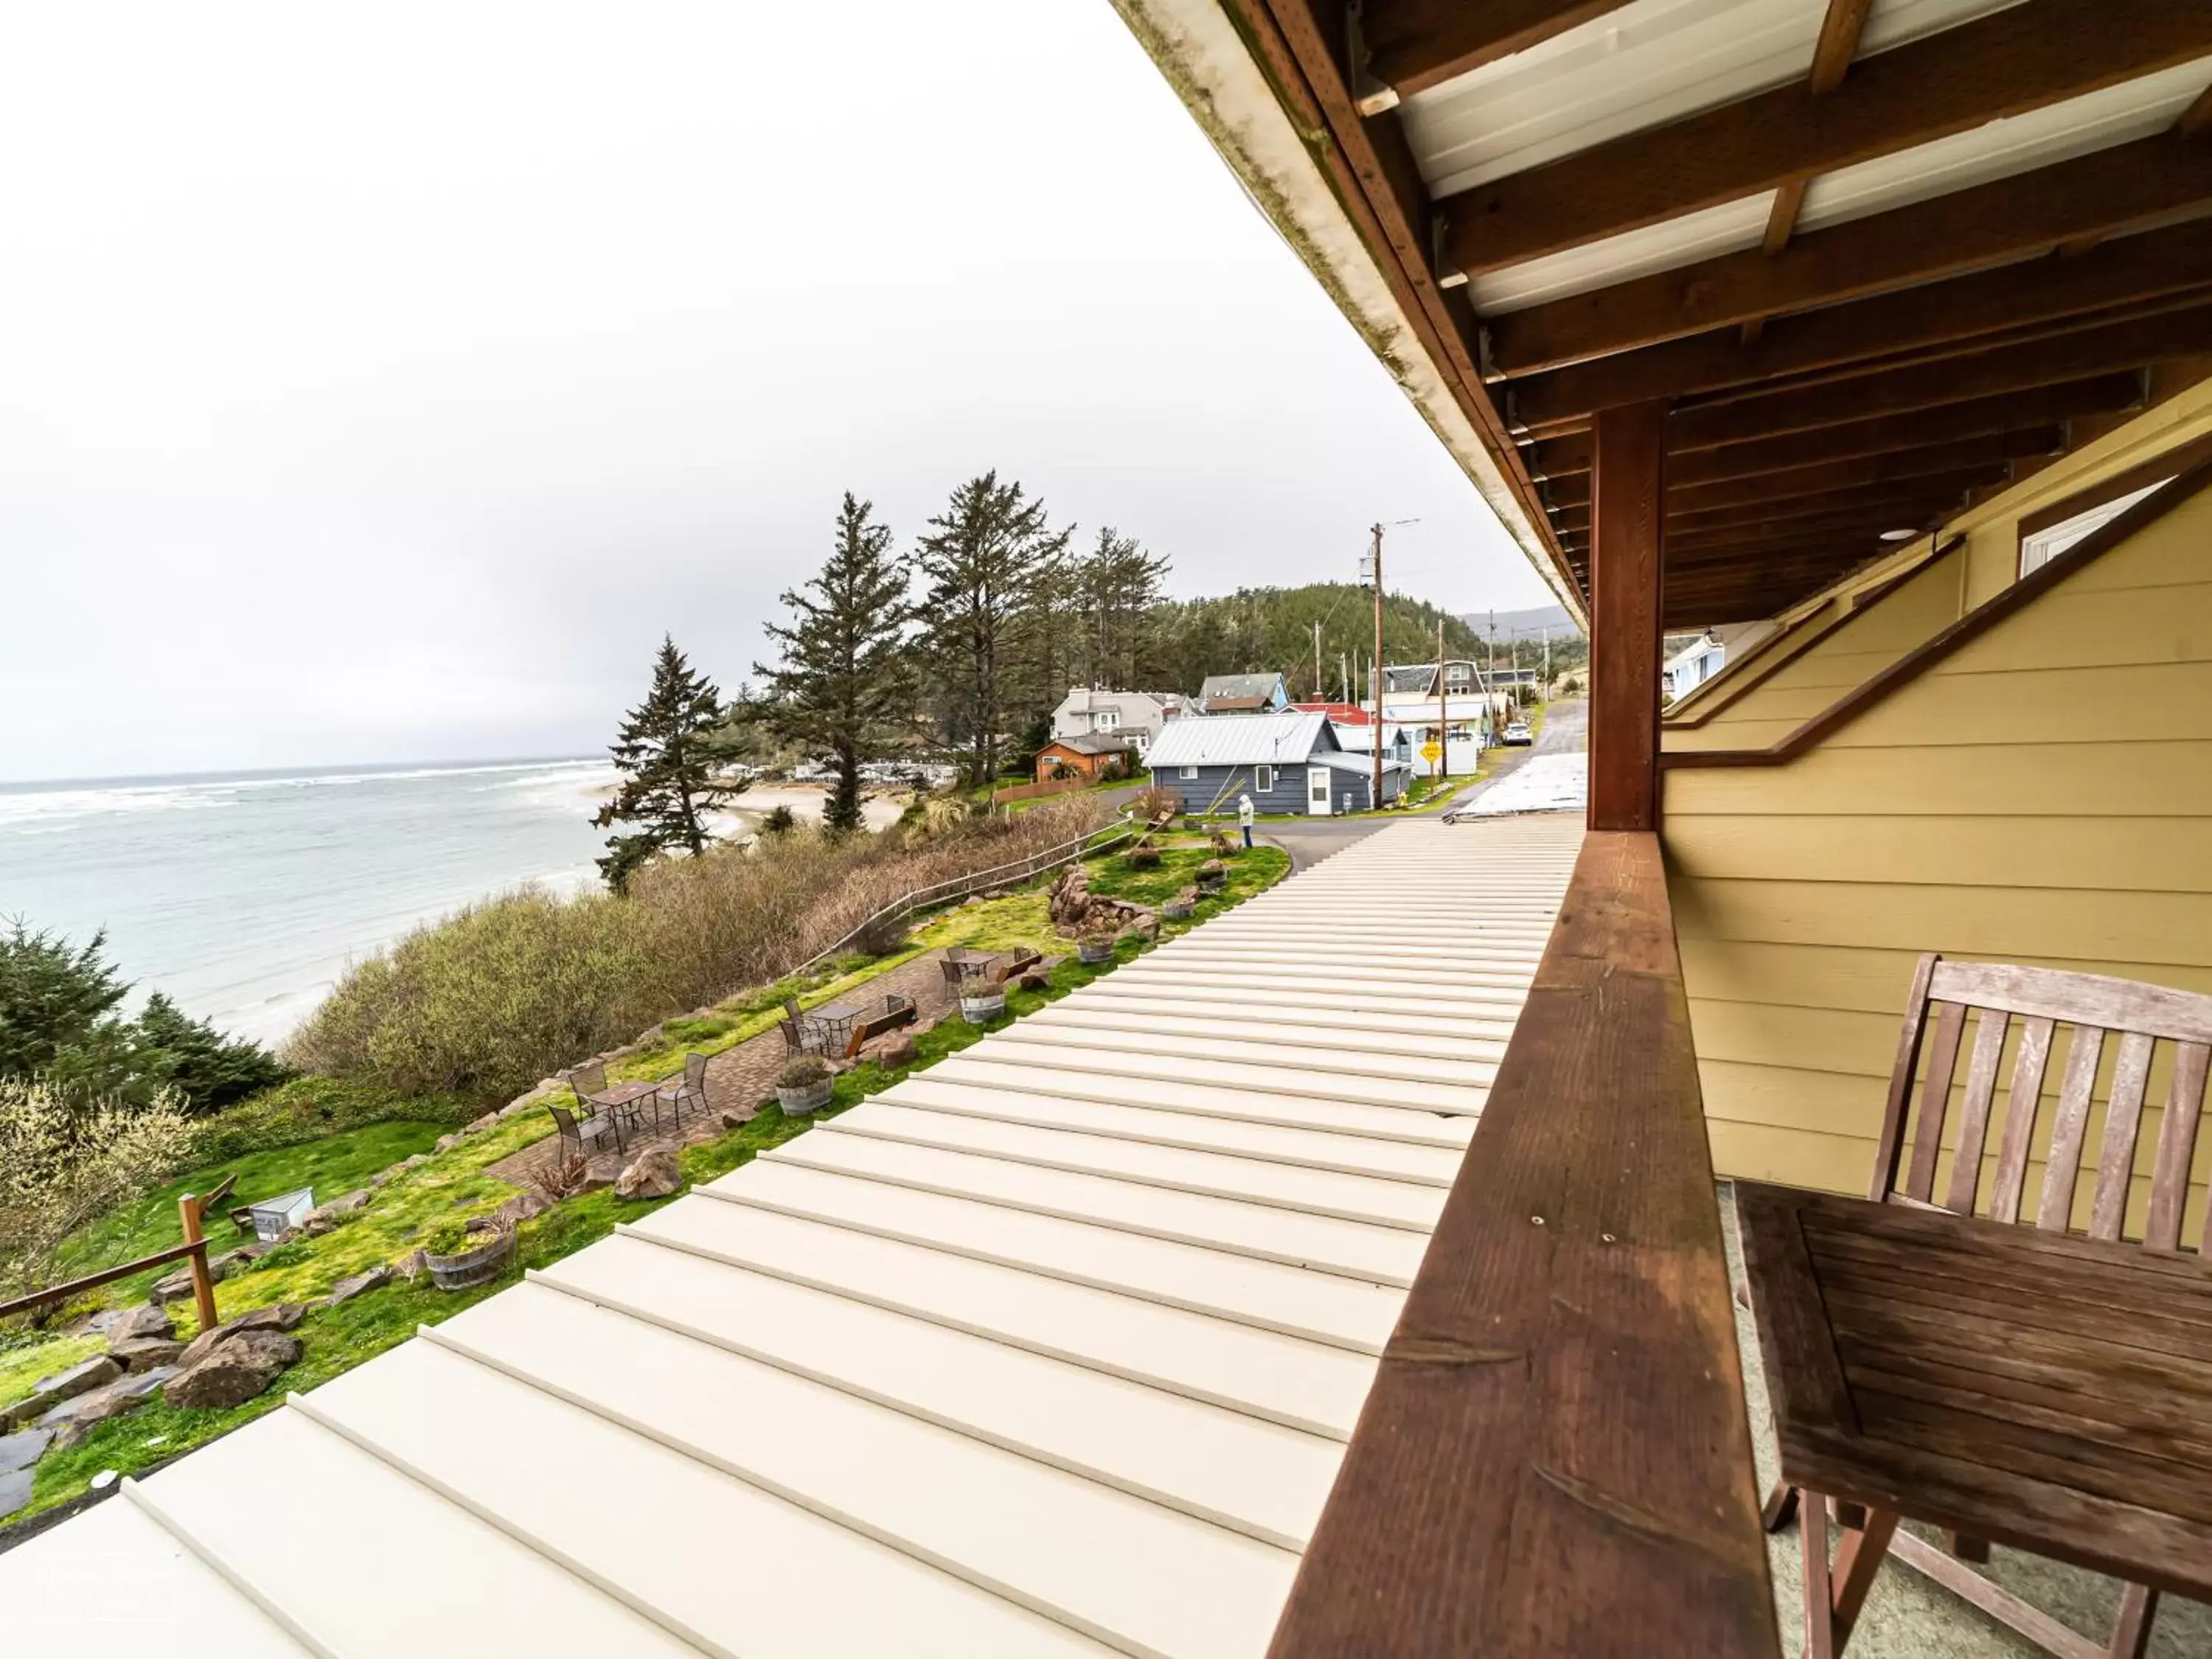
(983, 1003)
(1212, 876)
(1094, 948)
(474, 1265)
(805, 1086)
(1179, 908)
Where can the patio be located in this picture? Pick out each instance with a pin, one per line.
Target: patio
(738, 1079)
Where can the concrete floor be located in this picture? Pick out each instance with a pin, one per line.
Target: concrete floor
(1909, 1617)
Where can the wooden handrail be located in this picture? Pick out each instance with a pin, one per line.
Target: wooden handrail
(1969, 628)
(190, 1210)
(1554, 1459)
(105, 1276)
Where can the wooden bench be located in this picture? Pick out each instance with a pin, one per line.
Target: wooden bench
(898, 1010)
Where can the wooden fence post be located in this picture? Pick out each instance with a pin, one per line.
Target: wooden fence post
(188, 1211)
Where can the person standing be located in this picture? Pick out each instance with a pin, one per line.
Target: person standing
(1245, 818)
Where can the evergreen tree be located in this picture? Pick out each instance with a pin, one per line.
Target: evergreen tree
(1119, 589)
(56, 1003)
(58, 1025)
(843, 677)
(984, 557)
(207, 1069)
(670, 779)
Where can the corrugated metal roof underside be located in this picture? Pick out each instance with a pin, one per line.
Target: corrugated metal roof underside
(1050, 1350)
(1655, 62)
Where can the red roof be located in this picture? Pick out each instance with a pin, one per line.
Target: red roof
(1339, 713)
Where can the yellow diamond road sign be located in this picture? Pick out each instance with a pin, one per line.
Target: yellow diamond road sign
(1431, 750)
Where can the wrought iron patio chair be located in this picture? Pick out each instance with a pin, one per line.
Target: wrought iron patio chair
(801, 1035)
(578, 1138)
(685, 1093)
(2034, 1002)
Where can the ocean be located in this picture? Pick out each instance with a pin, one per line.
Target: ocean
(244, 895)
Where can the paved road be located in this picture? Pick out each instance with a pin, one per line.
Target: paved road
(1567, 727)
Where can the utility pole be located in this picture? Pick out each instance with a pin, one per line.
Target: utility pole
(1321, 690)
(1375, 563)
(1344, 674)
(1548, 662)
(1444, 712)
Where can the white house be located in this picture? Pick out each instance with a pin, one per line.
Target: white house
(1705, 657)
(1135, 716)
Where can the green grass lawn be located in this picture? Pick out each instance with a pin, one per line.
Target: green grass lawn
(333, 1168)
(454, 1185)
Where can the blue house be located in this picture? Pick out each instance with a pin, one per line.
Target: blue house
(1287, 762)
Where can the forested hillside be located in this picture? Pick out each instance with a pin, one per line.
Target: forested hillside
(1262, 628)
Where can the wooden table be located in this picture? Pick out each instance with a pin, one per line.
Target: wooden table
(2031, 1387)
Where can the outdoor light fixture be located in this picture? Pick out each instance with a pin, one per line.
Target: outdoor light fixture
(1898, 535)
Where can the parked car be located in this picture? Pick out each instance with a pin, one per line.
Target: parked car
(1517, 734)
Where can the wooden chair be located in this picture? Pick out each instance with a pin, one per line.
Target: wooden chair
(2037, 1001)
(686, 1093)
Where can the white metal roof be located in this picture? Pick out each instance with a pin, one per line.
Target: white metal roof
(1283, 739)
(1051, 1350)
(1654, 61)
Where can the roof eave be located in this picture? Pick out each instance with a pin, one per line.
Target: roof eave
(1216, 74)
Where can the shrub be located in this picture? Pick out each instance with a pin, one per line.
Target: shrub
(63, 1163)
(487, 1002)
(284, 1256)
(451, 1238)
(1221, 845)
(804, 1072)
(312, 1108)
(1149, 804)
(779, 821)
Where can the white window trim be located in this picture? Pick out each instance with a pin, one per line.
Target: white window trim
(1263, 779)
(2046, 544)
(1188, 773)
(1106, 720)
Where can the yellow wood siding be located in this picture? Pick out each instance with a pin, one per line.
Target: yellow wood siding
(2043, 794)
(1849, 656)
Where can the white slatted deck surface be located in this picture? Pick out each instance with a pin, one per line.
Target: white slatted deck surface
(1050, 1350)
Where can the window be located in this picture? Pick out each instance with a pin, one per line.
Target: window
(2046, 544)
(1106, 720)
(1263, 779)
(1189, 774)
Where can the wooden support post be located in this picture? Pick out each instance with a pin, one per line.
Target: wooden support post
(1627, 490)
(188, 1211)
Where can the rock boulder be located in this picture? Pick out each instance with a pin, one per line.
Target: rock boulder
(72, 1418)
(179, 1283)
(50, 1391)
(281, 1317)
(144, 1320)
(144, 1353)
(346, 1288)
(233, 1372)
(655, 1175)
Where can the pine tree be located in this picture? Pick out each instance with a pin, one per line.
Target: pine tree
(985, 555)
(1119, 589)
(671, 780)
(843, 678)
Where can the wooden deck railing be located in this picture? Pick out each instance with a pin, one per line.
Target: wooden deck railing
(1554, 1459)
(192, 1211)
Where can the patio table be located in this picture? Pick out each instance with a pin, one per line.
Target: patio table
(2005, 1383)
(836, 1020)
(620, 1102)
(972, 963)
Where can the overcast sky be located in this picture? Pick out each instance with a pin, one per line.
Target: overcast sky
(379, 382)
